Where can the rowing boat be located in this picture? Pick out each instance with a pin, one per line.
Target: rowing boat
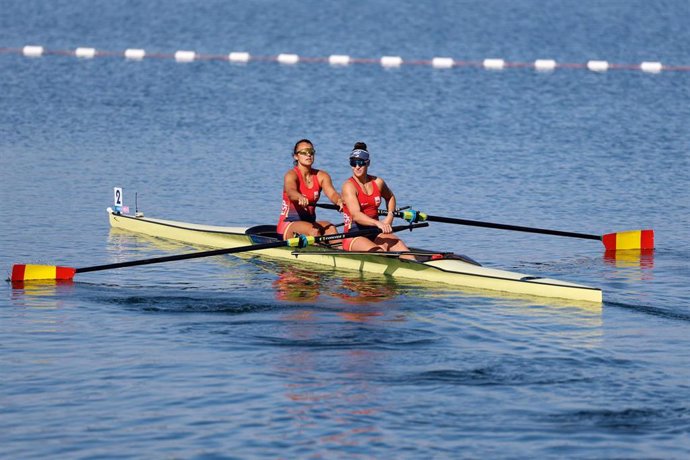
(429, 266)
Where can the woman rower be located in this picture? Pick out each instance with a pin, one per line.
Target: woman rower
(362, 196)
(302, 187)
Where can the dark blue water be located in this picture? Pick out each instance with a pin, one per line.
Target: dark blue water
(241, 358)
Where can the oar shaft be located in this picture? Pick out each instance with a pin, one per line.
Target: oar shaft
(475, 223)
(193, 255)
(630, 239)
(253, 247)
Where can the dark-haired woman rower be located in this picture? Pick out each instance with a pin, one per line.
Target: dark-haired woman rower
(362, 195)
(302, 187)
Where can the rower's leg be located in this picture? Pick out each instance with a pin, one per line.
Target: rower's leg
(363, 244)
(326, 228)
(301, 228)
(391, 242)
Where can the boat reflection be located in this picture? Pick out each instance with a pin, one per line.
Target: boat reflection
(307, 284)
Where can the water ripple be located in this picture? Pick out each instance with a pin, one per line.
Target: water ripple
(628, 420)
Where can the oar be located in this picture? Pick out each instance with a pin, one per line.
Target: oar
(27, 272)
(631, 239)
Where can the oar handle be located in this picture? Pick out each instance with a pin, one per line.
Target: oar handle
(327, 206)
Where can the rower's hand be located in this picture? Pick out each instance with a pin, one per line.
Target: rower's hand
(384, 227)
(339, 204)
(303, 201)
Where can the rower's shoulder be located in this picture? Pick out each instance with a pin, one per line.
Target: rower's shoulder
(349, 184)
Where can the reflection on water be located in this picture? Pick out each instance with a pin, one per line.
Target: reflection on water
(39, 302)
(633, 258)
(40, 293)
(123, 241)
(344, 409)
(640, 259)
(301, 284)
(327, 376)
(298, 284)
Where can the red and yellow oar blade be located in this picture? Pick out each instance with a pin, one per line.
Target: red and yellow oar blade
(28, 272)
(632, 239)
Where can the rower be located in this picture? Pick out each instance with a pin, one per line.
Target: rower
(362, 195)
(302, 187)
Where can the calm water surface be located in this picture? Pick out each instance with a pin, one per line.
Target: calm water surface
(241, 358)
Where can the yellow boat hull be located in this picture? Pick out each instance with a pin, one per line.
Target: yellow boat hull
(453, 271)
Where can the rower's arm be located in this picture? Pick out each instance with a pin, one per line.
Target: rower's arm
(352, 203)
(329, 190)
(291, 186)
(388, 195)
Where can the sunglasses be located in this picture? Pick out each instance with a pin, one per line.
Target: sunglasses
(355, 162)
(306, 152)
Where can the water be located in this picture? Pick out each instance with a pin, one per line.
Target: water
(241, 358)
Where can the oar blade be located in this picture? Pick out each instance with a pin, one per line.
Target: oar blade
(29, 272)
(631, 239)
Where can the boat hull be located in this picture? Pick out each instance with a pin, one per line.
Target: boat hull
(452, 270)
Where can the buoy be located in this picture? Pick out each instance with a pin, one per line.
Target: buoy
(391, 61)
(32, 51)
(237, 56)
(185, 56)
(494, 64)
(651, 67)
(288, 58)
(598, 66)
(135, 54)
(85, 53)
(442, 62)
(545, 64)
(338, 59)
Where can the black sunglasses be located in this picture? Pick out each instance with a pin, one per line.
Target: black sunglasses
(358, 162)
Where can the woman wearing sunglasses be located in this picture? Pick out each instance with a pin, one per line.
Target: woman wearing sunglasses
(362, 195)
(302, 186)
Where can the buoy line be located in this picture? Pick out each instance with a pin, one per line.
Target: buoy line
(545, 65)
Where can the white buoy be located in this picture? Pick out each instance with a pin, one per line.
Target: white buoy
(135, 54)
(86, 53)
(391, 61)
(288, 58)
(237, 56)
(338, 59)
(545, 64)
(651, 67)
(442, 62)
(598, 66)
(32, 51)
(185, 56)
(494, 64)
